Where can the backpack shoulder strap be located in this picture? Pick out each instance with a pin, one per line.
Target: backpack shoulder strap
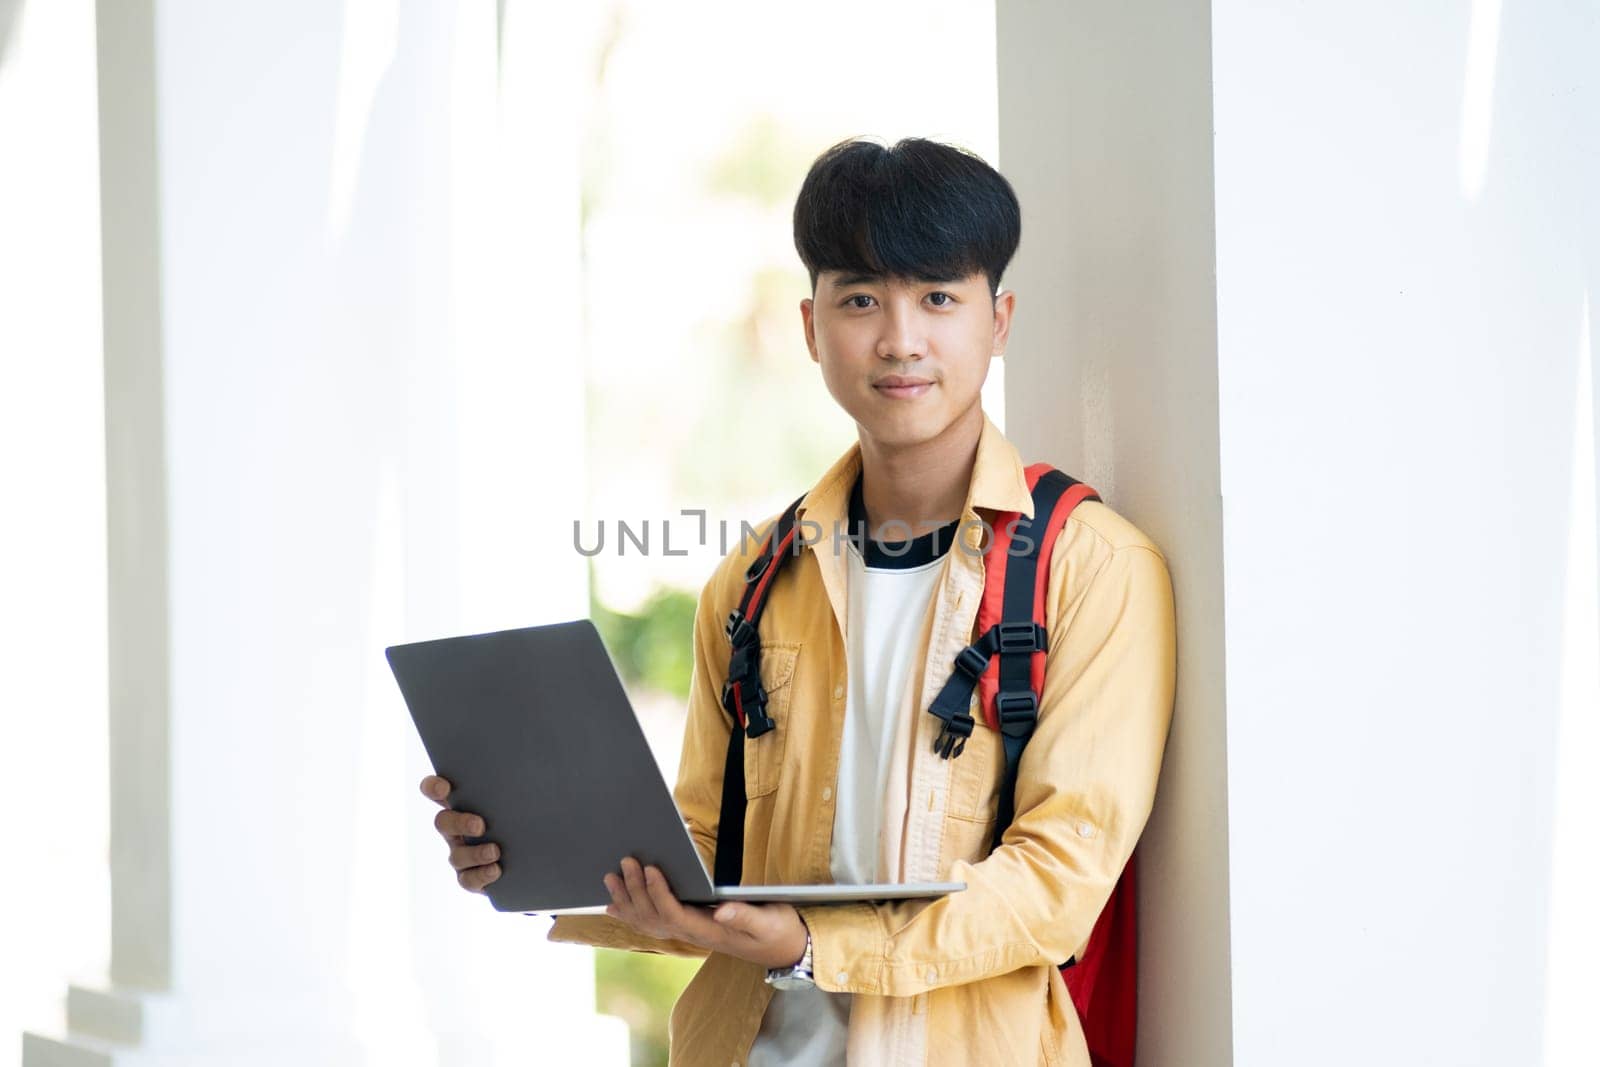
(743, 696)
(1009, 692)
(1011, 624)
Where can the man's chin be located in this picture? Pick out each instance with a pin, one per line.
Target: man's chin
(901, 432)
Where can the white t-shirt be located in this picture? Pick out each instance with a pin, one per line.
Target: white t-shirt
(889, 591)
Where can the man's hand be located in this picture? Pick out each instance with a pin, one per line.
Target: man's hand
(772, 935)
(475, 864)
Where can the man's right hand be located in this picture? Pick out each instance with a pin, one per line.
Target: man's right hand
(475, 865)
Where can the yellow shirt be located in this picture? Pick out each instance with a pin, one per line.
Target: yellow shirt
(969, 978)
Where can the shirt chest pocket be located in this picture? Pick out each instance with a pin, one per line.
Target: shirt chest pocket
(763, 756)
(975, 774)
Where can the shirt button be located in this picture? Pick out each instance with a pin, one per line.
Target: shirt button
(931, 974)
(827, 792)
(838, 691)
(842, 977)
(1085, 830)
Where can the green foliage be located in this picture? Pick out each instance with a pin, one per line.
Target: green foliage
(653, 648)
(640, 988)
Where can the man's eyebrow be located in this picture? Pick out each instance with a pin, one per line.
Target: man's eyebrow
(857, 279)
(845, 280)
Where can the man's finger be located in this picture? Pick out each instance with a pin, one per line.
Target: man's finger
(690, 921)
(465, 856)
(458, 823)
(475, 878)
(638, 896)
(619, 908)
(435, 788)
(661, 898)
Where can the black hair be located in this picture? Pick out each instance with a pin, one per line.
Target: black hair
(916, 209)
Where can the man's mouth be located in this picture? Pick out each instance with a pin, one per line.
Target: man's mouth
(902, 386)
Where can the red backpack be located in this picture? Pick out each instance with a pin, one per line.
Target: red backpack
(1006, 666)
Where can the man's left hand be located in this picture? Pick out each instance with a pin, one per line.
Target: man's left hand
(772, 935)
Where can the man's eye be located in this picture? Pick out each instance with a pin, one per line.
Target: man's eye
(940, 299)
(859, 296)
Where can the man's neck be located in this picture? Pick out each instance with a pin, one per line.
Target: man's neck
(922, 486)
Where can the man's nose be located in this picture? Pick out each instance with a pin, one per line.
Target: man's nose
(902, 336)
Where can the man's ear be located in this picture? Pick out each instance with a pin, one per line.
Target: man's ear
(810, 327)
(1004, 305)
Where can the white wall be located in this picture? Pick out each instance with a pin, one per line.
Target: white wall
(1407, 247)
(1105, 134)
(54, 922)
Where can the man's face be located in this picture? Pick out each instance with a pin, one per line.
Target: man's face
(868, 331)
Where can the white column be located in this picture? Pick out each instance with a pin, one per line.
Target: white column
(1342, 265)
(1105, 134)
(323, 436)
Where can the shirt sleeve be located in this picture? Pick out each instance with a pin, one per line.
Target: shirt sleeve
(1085, 786)
(698, 792)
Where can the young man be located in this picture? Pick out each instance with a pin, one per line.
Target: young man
(905, 247)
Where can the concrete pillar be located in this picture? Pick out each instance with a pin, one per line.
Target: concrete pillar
(1105, 134)
(325, 423)
(1334, 270)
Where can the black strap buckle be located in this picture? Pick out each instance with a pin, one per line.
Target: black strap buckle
(747, 704)
(952, 740)
(739, 629)
(1022, 636)
(1017, 712)
(757, 721)
(971, 662)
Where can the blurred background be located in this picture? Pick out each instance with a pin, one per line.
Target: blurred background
(438, 284)
(330, 325)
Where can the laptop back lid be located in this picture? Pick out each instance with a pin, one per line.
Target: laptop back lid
(535, 733)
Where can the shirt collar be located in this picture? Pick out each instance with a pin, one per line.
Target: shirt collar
(999, 483)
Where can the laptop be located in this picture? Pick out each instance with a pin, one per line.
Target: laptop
(535, 734)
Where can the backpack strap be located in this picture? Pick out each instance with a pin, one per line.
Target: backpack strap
(1011, 622)
(1015, 699)
(744, 698)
